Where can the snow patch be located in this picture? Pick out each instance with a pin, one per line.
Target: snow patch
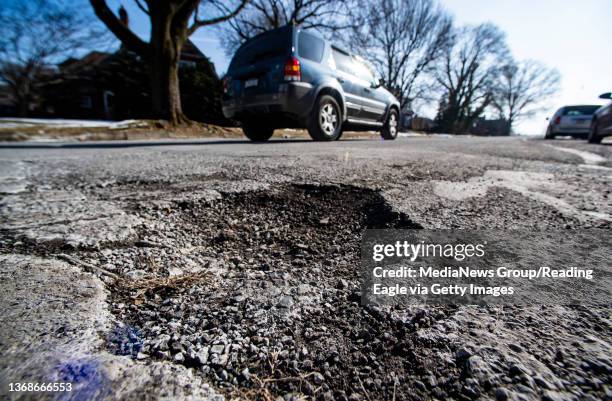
(588, 157)
(11, 122)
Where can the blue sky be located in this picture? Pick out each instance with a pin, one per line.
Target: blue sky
(572, 36)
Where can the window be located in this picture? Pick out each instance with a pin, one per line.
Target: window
(86, 102)
(310, 47)
(266, 46)
(109, 101)
(580, 110)
(187, 64)
(344, 62)
(363, 71)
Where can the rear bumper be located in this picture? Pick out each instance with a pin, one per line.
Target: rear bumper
(561, 130)
(293, 98)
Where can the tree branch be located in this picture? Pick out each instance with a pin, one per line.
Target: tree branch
(200, 23)
(142, 7)
(123, 33)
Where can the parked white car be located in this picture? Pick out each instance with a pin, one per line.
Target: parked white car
(571, 121)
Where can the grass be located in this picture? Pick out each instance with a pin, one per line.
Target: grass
(143, 129)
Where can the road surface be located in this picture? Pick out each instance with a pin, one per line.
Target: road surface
(221, 268)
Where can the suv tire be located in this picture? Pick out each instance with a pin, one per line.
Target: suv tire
(390, 129)
(325, 121)
(257, 132)
(593, 137)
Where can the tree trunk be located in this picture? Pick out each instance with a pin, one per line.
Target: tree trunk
(508, 127)
(165, 91)
(22, 98)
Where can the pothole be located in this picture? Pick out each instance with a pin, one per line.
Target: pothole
(259, 293)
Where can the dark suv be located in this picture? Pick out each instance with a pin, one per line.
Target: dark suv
(292, 78)
(601, 125)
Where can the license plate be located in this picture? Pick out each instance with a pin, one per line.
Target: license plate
(250, 82)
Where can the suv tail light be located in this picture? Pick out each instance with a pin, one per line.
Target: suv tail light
(226, 82)
(558, 120)
(293, 71)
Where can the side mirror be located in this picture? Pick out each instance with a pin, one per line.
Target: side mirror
(606, 95)
(377, 84)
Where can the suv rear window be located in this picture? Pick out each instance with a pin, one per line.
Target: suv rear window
(580, 110)
(270, 45)
(310, 47)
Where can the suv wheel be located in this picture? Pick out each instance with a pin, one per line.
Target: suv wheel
(391, 127)
(593, 137)
(325, 122)
(257, 132)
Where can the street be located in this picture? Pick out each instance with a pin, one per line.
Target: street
(200, 269)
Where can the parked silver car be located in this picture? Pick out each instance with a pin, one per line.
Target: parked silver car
(601, 124)
(571, 121)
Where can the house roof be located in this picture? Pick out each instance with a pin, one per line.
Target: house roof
(90, 59)
(190, 52)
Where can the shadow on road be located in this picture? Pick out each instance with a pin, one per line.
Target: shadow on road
(559, 140)
(128, 144)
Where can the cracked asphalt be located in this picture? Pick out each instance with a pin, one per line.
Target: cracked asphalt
(222, 269)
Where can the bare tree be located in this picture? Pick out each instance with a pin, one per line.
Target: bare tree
(403, 39)
(172, 22)
(35, 34)
(521, 89)
(467, 75)
(327, 16)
